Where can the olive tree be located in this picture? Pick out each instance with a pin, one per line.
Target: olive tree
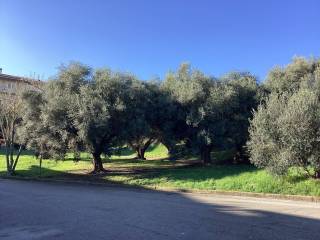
(155, 117)
(291, 77)
(57, 128)
(167, 118)
(207, 105)
(101, 113)
(285, 133)
(48, 126)
(32, 129)
(248, 94)
(140, 134)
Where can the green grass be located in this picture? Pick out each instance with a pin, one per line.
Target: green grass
(163, 173)
(233, 178)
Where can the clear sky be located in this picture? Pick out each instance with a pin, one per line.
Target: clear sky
(150, 37)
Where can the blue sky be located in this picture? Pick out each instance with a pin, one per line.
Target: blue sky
(149, 37)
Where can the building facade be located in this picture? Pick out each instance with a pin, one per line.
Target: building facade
(10, 83)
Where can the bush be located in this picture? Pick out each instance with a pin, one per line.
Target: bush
(285, 133)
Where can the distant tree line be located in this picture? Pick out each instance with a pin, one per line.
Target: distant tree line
(274, 124)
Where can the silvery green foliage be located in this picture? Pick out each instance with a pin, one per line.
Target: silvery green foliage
(285, 131)
(207, 105)
(60, 95)
(48, 125)
(139, 133)
(265, 144)
(248, 96)
(102, 108)
(33, 131)
(300, 72)
(301, 129)
(216, 112)
(152, 116)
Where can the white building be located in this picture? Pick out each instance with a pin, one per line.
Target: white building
(9, 83)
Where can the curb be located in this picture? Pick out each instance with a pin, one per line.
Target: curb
(173, 190)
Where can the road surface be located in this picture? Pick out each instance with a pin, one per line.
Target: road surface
(40, 210)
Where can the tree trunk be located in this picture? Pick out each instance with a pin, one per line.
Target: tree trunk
(40, 166)
(7, 158)
(97, 163)
(76, 156)
(17, 158)
(140, 153)
(206, 155)
(241, 156)
(143, 148)
(172, 152)
(11, 172)
(11, 161)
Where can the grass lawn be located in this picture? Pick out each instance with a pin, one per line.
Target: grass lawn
(160, 172)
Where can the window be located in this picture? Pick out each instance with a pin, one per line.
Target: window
(10, 85)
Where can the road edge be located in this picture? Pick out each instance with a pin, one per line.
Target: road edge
(172, 190)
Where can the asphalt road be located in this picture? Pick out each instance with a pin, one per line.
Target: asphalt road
(39, 210)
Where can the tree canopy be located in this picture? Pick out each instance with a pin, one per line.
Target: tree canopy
(98, 110)
(284, 132)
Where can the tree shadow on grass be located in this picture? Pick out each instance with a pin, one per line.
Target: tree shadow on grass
(130, 172)
(134, 160)
(174, 172)
(188, 171)
(35, 172)
(296, 178)
(163, 168)
(198, 173)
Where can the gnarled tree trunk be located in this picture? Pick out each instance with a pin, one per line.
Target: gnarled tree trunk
(171, 151)
(140, 153)
(97, 162)
(11, 160)
(142, 148)
(206, 155)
